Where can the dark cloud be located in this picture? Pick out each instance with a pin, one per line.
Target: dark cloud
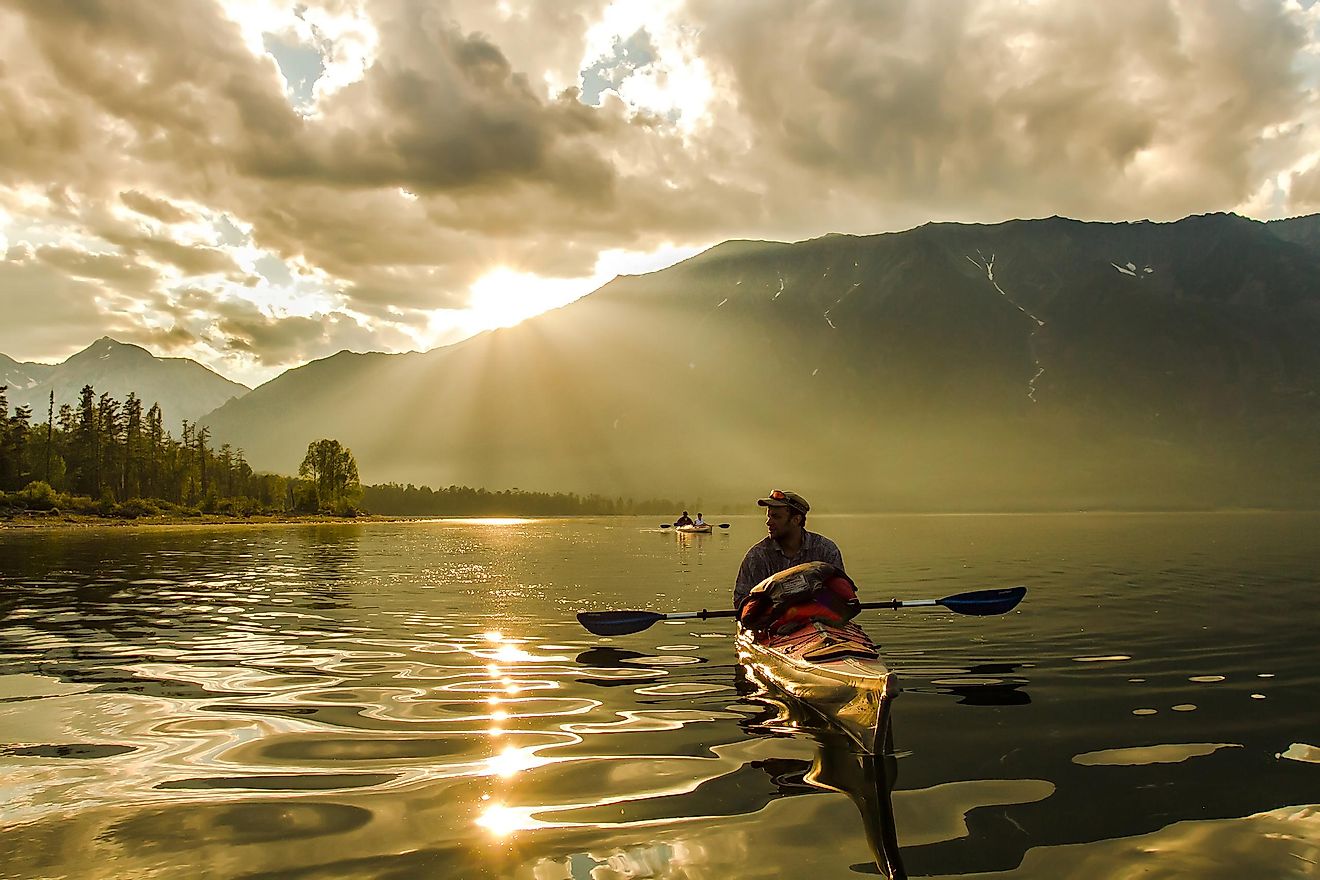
(191, 259)
(289, 341)
(158, 208)
(446, 110)
(988, 109)
(160, 340)
(1306, 191)
(122, 271)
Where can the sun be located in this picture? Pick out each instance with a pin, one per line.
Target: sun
(504, 297)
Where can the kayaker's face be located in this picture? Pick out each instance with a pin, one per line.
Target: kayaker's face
(781, 522)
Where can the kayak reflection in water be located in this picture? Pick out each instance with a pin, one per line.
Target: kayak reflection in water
(867, 779)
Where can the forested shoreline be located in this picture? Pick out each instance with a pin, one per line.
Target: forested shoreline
(112, 458)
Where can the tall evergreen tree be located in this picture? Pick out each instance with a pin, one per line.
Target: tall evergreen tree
(155, 450)
(203, 434)
(86, 454)
(50, 432)
(131, 478)
(109, 425)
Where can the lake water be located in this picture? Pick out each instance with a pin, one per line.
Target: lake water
(416, 699)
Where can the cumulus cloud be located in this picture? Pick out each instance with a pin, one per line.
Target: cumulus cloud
(125, 272)
(981, 110)
(246, 332)
(358, 165)
(160, 209)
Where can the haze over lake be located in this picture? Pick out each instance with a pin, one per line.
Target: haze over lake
(416, 699)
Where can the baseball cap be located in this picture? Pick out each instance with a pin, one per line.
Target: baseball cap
(780, 498)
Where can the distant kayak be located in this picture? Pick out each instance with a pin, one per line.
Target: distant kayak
(695, 530)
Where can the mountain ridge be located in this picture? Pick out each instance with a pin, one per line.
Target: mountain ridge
(184, 388)
(937, 357)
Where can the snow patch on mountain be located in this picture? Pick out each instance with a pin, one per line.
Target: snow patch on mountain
(988, 266)
(1129, 268)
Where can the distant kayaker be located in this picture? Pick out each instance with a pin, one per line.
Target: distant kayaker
(699, 521)
(683, 520)
(787, 544)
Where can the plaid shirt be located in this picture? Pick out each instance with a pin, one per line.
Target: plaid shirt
(766, 558)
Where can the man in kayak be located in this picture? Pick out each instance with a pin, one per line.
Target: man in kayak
(683, 520)
(787, 544)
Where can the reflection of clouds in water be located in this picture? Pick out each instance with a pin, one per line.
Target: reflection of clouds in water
(1301, 752)
(738, 845)
(939, 813)
(1279, 843)
(1158, 754)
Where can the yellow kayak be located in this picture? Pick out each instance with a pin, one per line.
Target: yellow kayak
(836, 671)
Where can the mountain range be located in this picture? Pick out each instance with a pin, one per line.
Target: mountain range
(184, 388)
(1028, 364)
(1024, 364)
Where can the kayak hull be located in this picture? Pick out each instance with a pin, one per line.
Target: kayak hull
(854, 693)
(695, 530)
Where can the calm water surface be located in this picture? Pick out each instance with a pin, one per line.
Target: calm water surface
(416, 700)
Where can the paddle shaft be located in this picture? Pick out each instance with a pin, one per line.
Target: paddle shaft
(729, 612)
(980, 603)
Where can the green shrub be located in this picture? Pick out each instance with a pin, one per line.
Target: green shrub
(79, 504)
(37, 495)
(134, 508)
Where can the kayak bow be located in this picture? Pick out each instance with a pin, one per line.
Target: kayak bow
(835, 671)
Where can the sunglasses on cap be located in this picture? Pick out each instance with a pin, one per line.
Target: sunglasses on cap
(796, 502)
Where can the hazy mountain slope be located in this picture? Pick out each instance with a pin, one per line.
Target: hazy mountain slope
(184, 389)
(1298, 230)
(20, 377)
(1026, 363)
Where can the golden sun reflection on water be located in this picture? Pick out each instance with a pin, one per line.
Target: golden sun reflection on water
(501, 821)
(514, 760)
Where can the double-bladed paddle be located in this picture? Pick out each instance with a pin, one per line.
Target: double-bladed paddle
(978, 602)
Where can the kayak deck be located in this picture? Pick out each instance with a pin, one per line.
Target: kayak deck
(837, 672)
(695, 530)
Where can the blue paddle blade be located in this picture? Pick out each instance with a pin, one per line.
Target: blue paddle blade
(617, 623)
(985, 602)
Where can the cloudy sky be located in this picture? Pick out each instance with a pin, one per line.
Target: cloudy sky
(257, 183)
